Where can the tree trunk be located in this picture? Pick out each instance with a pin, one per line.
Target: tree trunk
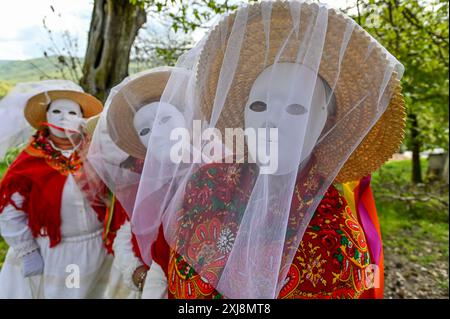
(415, 146)
(114, 26)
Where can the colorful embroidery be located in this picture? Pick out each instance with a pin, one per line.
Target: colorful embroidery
(40, 147)
(330, 261)
(332, 256)
(184, 283)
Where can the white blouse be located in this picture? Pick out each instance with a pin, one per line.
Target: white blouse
(77, 218)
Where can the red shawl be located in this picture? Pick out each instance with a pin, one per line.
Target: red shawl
(39, 174)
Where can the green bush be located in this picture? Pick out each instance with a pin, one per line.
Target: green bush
(406, 225)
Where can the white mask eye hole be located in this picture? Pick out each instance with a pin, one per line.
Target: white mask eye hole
(165, 119)
(56, 111)
(144, 131)
(73, 113)
(296, 109)
(258, 106)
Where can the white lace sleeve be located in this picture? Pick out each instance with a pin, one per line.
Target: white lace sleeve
(14, 228)
(155, 286)
(124, 256)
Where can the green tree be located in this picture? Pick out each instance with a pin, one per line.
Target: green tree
(416, 32)
(115, 25)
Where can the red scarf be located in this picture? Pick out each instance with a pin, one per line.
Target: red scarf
(39, 174)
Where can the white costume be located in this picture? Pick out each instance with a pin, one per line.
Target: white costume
(77, 265)
(120, 284)
(79, 254)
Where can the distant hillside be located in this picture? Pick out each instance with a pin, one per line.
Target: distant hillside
(28, 70)
(13, 72)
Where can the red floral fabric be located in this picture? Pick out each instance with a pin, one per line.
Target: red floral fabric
(330, 261)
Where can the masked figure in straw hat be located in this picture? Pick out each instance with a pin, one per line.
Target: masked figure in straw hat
(14, 128)
(320, 101)
(117, 152)
(47, 216)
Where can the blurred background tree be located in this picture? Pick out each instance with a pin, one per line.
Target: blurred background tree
(416, 33)
(115, 25)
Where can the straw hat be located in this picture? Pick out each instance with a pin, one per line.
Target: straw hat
(91, 124)
(143, 89)
(385, 136)
(36, 108)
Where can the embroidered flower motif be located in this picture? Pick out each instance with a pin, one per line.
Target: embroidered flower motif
(203, 247)
(329, 239)
(201, 195)
(322, 265)
(232, 175)
(225, 241)
(224, 194)
(315, 270)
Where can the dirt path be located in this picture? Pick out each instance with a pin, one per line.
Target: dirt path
(408, 277)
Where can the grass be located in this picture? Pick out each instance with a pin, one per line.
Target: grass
(411, 228)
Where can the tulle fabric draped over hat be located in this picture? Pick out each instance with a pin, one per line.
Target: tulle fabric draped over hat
(328, 92)
(116, 152)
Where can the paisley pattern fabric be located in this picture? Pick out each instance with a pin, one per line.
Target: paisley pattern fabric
(330, 261)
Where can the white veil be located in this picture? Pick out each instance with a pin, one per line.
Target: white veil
(231, 219)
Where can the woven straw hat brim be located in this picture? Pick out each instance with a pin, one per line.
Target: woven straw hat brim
(128, 100)
(36, 108)
(91, 124)
(385, 136)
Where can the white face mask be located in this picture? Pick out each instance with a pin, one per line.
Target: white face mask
(169, 118)
(291, 98)
(65, 114)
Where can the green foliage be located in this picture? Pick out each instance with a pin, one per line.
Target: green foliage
(11, 155)
(3, 168)
(3, 250)
(406, 225)
(4, 88)
(416, 32)
(188, 15)
(9, 158)
(183, 17)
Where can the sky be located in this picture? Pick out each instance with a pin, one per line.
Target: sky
(22, 35)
